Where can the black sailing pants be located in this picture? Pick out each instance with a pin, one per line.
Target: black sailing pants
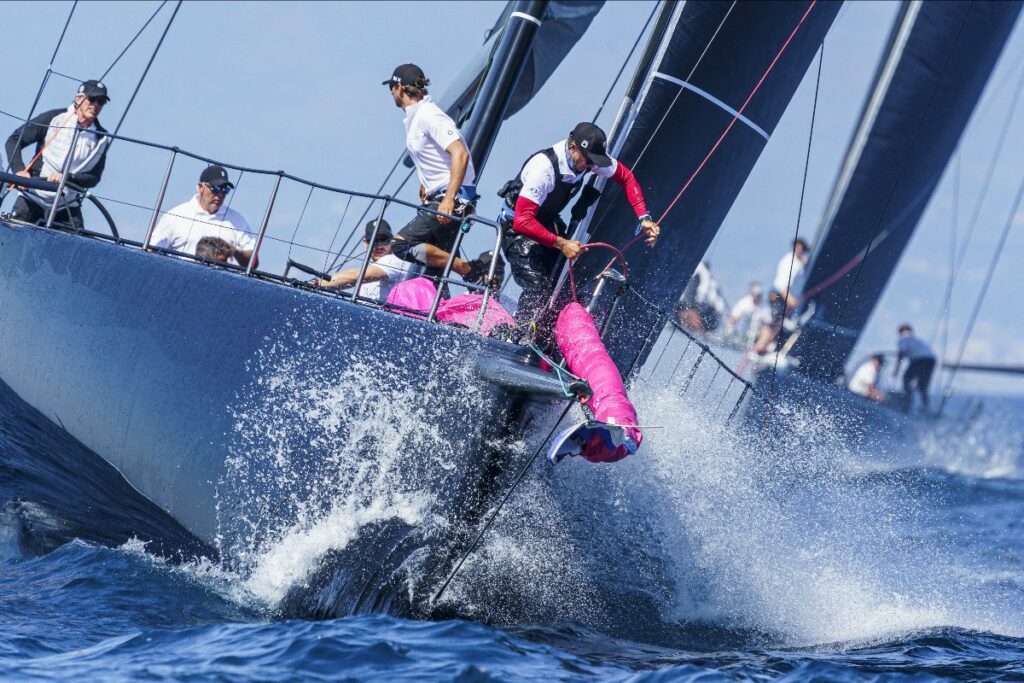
(917, 375)
(533, 268)
(30, 212)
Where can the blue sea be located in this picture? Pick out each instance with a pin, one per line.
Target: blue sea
(898, 559)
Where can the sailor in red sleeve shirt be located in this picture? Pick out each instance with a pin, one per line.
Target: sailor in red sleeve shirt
(534, 232)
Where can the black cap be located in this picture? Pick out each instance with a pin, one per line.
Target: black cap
(216, 176)
(406, 74)
(383, 234)
(592, 141)
(93, 90)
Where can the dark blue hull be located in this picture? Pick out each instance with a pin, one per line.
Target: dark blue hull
(249, 410)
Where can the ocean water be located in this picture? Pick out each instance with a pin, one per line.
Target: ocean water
(712, 556)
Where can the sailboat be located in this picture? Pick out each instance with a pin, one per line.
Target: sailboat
(303, 413)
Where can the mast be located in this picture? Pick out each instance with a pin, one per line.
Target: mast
(709, 59)
(938, 59)
(500, 82)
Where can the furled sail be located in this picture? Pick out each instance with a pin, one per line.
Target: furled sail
(939, 57)
(704, 66)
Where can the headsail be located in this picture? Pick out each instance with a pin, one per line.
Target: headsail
(563, 24)
(939, 57)
(706, 64)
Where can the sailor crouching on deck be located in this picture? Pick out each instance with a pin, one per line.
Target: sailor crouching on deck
(534, 233)
(447, 179)
(52, 132)
(206, 215)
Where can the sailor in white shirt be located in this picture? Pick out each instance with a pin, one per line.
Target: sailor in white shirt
(865, 380)
(206, 215)
(384, 271)
(786, 289)
(447, 179)
(921, 364)
(748, 315)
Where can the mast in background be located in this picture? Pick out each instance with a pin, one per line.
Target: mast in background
(939, 58)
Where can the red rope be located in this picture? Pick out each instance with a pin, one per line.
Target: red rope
(731, 123)
(618, 255)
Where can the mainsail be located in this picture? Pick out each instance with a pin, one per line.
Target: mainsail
(706, 64)
(939, 57)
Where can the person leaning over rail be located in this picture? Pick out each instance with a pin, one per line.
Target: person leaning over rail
(920, 365)
(52, 132)
(784, 297)
(206, 215)
(383, 272)
(534, 233)
(447, 179)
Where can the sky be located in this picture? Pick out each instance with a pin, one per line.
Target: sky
(296, 86)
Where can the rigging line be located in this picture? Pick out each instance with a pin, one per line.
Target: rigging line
(943, 320)
(152, 57)
(899, 175)
(494, 515)
(739, 113)
(132, 41)
(689, 76)
(986, 184)
(369, 206)
(42, 85)
(625, 62)
(799, 217)
(299, 222)
(330, 246)
(1010, 219)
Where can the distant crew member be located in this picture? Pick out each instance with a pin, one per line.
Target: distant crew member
(786, 289)
(446, 174)
(51, 132)
(206, 215)
(921, 364)
(702, 306)
(383, 272)
(534, 233)
(865, 380)
(748, 315)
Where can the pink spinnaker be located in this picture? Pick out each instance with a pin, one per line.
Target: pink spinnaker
(418, 294)
(586, 356)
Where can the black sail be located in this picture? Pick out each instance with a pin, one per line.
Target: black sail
(707, 63)
(939, 57)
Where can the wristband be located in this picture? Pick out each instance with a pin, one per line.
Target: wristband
(645, 217)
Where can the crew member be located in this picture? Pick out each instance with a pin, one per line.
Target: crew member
(748, 315)
(446, 174)
(52, 132)
(206, 215)
(865, 380)
(921, 364)
(786, 289)
(534, 233)
(384, 270)
(702, 306)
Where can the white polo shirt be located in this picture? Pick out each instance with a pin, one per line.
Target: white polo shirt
(785, 280)
(182, 227)
(538, 177)
(748, 314)
(429, 132)
(865, 377)
(397, 270)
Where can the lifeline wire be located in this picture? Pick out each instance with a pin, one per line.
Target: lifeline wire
(497, 510)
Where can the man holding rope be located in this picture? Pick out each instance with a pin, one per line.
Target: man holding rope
(52, 132)
(535, 234)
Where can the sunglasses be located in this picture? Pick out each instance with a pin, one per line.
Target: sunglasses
(217, 189)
